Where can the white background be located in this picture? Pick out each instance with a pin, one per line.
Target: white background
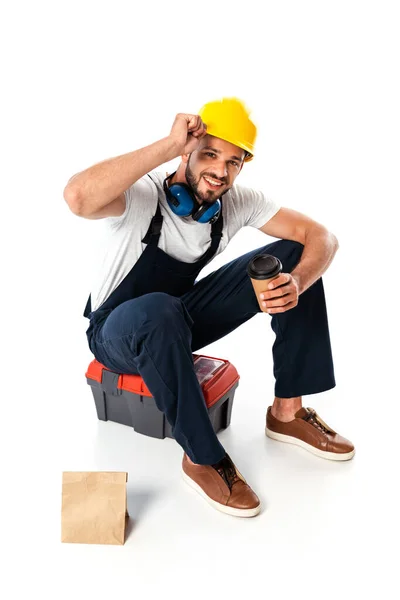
(85, 81)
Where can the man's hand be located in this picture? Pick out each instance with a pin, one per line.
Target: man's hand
(282, 294)
(186, 132)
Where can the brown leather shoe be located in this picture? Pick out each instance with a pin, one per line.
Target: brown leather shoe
(222, 486)
(310, 432)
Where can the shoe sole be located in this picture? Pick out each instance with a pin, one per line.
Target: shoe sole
(229, 510)
(281, 437)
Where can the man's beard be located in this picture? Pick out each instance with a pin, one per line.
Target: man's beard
(210, 195)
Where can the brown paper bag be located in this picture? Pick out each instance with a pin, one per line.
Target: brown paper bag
(93, 507)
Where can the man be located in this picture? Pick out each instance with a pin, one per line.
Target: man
(148, 311)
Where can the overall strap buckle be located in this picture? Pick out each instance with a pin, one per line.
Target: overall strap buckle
(154, 230)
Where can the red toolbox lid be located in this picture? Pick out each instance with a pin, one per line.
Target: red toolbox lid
(216, 377)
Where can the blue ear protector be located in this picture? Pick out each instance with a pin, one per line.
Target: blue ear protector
(183, 203)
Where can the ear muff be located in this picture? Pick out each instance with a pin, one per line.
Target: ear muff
(180, 199)
(207, 213)
(183, 203)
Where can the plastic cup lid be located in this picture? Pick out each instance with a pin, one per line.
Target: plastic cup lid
(264, 266)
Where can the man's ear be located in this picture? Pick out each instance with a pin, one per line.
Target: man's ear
(185, 158)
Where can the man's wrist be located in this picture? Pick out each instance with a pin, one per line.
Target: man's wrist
(298, 279)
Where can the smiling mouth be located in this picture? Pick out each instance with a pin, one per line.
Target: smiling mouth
(212, 183)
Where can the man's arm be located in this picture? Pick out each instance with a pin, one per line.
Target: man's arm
(92, 192)
(320, 247)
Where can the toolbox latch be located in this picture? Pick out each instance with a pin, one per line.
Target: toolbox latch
(109, 381)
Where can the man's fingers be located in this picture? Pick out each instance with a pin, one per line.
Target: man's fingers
(276, 293)
(195, 127)
(280, 280)
(201, 132)
(282, 301)
(192, 122)
(282, 309)
(187, 130)
(195, 123)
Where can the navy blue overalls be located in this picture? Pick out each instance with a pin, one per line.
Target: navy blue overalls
(159, 315)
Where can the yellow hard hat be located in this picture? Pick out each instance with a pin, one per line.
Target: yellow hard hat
(228, 119)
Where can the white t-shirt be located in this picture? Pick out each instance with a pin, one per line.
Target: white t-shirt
(181, 237)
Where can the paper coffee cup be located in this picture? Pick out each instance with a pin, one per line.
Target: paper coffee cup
(262, 269)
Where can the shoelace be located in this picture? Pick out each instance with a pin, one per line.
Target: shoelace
(227, 470)
(312, 418)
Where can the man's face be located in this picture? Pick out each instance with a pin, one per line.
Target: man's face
(213, 167)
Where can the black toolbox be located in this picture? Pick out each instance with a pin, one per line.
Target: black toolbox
(126, 399)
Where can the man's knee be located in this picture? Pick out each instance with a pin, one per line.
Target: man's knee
(157, 310)
(288, 251)
(158, 306)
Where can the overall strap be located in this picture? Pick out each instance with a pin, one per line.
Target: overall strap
(216, 235)
(154, 231)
